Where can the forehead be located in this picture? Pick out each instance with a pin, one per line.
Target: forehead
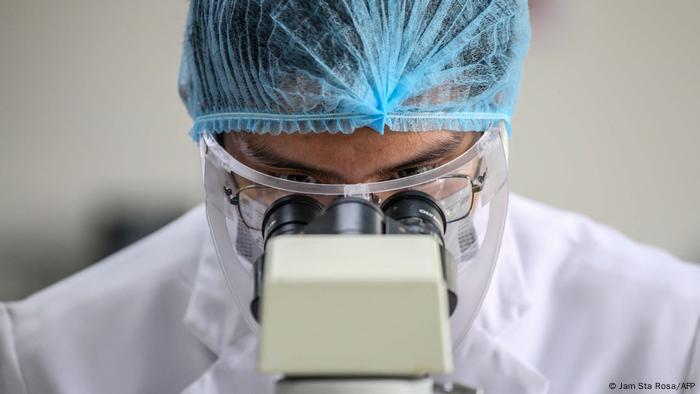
(363, 142)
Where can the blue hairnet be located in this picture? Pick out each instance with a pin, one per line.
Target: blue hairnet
(336, 65)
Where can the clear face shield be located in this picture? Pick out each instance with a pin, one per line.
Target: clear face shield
(471, 192)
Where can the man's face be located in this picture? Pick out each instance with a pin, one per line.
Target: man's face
(361, 157)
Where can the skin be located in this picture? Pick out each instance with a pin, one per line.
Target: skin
(364, 156)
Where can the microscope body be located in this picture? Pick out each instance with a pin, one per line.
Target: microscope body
(355, 299)
(354, 304)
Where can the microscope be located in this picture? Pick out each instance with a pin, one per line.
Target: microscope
(355, 297)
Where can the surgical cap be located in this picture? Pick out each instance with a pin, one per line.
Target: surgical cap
(336, 65)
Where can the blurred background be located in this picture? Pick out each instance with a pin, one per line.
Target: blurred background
(95, 152)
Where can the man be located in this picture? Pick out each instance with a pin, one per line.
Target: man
(346, 96)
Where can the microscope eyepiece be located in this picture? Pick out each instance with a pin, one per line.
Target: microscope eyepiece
(418, 212)
(289, 215)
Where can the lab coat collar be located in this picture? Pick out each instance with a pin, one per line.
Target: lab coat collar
(480, 361)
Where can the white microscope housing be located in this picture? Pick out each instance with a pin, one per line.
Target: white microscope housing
(354, 313)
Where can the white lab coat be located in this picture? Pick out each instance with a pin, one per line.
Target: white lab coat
(573, 307)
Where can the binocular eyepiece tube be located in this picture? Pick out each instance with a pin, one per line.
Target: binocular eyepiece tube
(407, 212)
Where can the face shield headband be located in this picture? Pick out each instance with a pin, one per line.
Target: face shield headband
(471, 187)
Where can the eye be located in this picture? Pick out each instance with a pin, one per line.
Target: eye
(414, 170)
(296, 178)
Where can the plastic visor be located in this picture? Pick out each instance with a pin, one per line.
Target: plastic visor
(453, 184)
(486, 217)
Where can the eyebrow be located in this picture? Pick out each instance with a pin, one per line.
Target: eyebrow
(264, 155)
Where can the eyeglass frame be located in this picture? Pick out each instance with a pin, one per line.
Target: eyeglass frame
(476, 187)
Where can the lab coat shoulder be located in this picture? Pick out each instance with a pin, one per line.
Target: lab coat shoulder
(116, 326)
(603, 306)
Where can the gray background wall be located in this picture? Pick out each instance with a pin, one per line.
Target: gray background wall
(94, 143)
